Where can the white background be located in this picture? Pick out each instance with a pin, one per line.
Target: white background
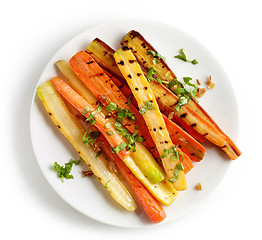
(31, 33)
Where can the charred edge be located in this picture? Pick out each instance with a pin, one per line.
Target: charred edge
(192, 154)
(125, 48)
(224, 146)
(183, 115)
(193, 125)
(131, 61)
(138, 74)
(129, 76)
(121, 63)
(205, 134)
(58, 126)
(90, 62)
(50, 114)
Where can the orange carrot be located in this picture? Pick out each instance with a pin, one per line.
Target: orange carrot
(86, 109)
(106, 91)
(103, 55)
(178, 136)
(150, 205)
(184, 141)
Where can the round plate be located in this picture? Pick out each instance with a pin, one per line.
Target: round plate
(86, 194)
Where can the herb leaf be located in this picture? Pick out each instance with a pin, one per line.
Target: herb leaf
(64, 171)
(91, 136)
(111, 107)
(156, 56)
(148, 106)
(92, 116)
(149, 76)
(120, 147)
(184, 58)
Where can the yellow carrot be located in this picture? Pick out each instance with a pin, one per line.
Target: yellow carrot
(149, 109)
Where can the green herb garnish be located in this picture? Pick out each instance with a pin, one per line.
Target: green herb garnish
(120, 112)
(92, 116)
(156, 56)
(64, 171)
(131, 138)
(110, 133)
(120, 147)
(106, 185)
(174, 152)
(107, 125)
(149, 76)
(147, 106)
(98, 154)
(86, 110)
(184, 58)
(111, 107)
(90, 137)
(180, 90)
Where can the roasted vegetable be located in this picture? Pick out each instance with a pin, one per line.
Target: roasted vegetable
(144, 159)
(140, 48)
(74, 133)
(116, 141)
(149, 109)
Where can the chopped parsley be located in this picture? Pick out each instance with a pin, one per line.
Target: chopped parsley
(106, 185)
(149, 76)
(90, 137)
(156, 56)
(147, 106)
(184, 58)
(175, 157)
(64, 171)
(110, 133)
(98, 154)
(120, 112)
(92, 117)
(175, 177)
(111, 107)
(180, 90)
(86, 110)
(119, 148)
(174, 152)
(129, 100)
(131, 138)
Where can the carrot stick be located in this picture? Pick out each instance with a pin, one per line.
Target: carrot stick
(100, 122)
(103, 55)
(106, 91)
(150, 111)
(150, 205)
(178, 136)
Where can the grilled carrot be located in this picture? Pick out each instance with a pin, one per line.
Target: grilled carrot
(106, 91)
(73, 132)
(103, 55)
(143, 159)
(140, 48)
(100, 122)
(150, 205)
(178, 136)
(149, 109)
(163, 191)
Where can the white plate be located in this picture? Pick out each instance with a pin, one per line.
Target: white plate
(86, 194)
